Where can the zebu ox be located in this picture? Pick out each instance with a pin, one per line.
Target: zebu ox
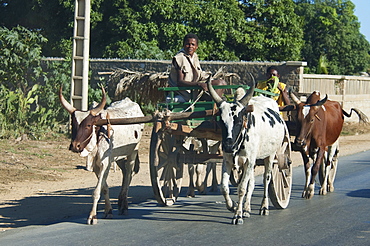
(106, 144)
(320, 123)
(247, 136)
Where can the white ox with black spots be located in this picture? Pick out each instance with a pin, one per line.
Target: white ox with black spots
(106, 144)
(246, 137)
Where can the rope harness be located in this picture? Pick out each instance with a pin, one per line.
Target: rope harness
(195, 101)
(87, 139)
(100, 132)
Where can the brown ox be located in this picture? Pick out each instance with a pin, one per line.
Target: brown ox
(320, 123)
(106, 144)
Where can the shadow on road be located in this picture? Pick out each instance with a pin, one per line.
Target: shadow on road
(364, 193)
(61, 206)
(75, 205)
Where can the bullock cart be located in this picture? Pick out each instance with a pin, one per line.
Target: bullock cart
(170, 148)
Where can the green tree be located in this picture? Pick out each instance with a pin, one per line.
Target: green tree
(228, 30)
(52, 19)
(274, 30)
(20, 52)
(335, 35)
(28, 100)
(155, 29)
(277, 30)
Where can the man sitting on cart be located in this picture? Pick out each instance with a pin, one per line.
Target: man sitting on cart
(186, 71)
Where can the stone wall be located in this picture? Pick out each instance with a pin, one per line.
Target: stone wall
(290, 72)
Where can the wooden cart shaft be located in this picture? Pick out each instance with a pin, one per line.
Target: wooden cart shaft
(152, 118)
(171, 116)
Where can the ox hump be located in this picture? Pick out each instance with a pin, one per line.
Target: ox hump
(123, 109)
(260, 103)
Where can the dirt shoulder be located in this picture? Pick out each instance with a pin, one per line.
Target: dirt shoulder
(43, 183)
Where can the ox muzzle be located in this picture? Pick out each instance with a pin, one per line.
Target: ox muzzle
(82, 139)
(75, 147)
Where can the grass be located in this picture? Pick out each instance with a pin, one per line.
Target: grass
(35, 160)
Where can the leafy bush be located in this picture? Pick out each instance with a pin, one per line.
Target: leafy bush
(16, 114)
(20, 52)
(29, 102)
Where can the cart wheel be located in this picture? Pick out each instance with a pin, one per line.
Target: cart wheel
(281, 181)
(166, 171)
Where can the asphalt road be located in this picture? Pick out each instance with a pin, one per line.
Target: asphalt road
(340, 218)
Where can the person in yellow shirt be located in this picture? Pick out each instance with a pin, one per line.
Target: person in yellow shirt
(273, 84)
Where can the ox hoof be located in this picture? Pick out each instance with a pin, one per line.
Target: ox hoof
(264, 211)
(246, 214)
(109, 214)
(330, 188)
(204, 192)
(202, 189)
(237, 221)
(310, 191)
(322, 192)
(92, 220)
(190, 194)
(123, 212)
(307, 195)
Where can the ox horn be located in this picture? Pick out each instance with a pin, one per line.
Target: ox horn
(244, 101)
(294, 98)
(101, 105)
(64, 102)
(321, 102)
(213, 93)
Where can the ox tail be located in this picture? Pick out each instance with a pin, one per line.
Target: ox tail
(137, 164)
(361, 116)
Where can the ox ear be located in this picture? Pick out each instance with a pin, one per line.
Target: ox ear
(64, 102)
(101, 105)
(218, 100)
(244, 101)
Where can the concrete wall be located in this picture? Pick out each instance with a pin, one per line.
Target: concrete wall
(349, 91)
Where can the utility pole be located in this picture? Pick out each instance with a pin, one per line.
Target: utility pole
(80, 55)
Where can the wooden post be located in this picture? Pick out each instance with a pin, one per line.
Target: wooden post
(80, 55)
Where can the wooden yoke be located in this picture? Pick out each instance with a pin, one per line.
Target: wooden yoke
(206, 129)
(162, 121)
